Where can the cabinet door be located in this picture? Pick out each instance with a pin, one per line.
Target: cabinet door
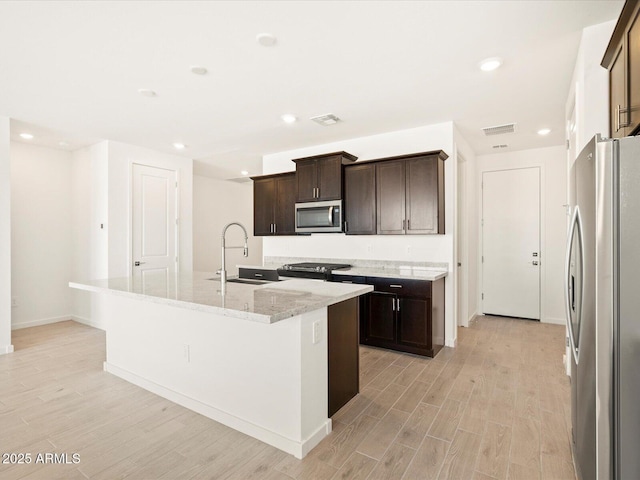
(422, 195)
(330, 178)
(390, 200)
(263, 202)
(285, 205)
(633, 75)
(414, 322)
(307, 180)
(379, 321)
(360, 200)
(618, 97)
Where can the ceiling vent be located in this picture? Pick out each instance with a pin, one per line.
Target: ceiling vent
(499, 129)
(326, 119)
(503, 145)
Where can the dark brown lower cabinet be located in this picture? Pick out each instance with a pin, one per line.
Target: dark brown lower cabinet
(407, 317)
(343, 353)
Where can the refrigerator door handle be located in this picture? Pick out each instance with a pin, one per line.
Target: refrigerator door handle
(575, 224)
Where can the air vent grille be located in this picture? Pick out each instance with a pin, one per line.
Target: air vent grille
(326, 120)
(503, 145)
(499, 129)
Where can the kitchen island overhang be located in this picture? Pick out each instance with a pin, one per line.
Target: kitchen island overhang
(255, 360)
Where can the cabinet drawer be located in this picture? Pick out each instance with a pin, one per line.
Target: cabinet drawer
(349, 279)
(414, 288)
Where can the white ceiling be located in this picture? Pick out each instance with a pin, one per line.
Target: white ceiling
(72, 70)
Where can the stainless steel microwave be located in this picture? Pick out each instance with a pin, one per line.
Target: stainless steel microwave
(319, 217)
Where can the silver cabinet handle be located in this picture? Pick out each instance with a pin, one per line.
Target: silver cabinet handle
(403, 222)
(393, 304)
(408, 224)
(275, 228)
(346, 226)
(397, 304)
(257, 275)
(393, 285)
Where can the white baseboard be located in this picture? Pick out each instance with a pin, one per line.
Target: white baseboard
(556, 321)
(88, 322)
(4, 349)
(42, 321)
(296, 448)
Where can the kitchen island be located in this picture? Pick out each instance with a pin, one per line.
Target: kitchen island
(255, 359)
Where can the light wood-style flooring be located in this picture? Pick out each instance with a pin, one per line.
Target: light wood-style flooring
(495, 407)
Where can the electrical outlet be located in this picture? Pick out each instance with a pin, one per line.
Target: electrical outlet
(14, 302)
(317, 332)
(186, 349)
(369, 248)
(408, 249)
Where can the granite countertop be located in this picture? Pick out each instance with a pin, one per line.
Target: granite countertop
(408, 272)
(267, 303)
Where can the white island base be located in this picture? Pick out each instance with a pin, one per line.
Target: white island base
(266, 380)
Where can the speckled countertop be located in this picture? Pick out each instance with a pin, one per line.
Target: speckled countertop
(268, 303)
(405, 272)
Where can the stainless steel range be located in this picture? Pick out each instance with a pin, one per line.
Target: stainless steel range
(320, 271)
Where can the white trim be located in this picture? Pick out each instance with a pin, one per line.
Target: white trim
(6, 349)
(88, 322)
(296, 448)
(41, 321)
(555, 321)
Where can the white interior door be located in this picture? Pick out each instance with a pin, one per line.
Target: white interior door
(511, 243)
(154, 220)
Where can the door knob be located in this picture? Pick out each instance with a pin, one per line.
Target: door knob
(137, 264)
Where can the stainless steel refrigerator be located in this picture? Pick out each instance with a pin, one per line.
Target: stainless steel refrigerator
(603, 309)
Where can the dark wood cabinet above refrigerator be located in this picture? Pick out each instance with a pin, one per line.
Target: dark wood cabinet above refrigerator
(274, 201)
(622, 59)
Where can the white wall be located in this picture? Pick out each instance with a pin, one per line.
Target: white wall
(215, 204)
(101, 216)
(431, 248)
(121, 159)
(41, 234)
(589, 90)
(5, 238)
(89, 212)
(468, 239)
(553, 186)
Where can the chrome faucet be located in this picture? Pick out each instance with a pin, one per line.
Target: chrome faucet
(223, 270)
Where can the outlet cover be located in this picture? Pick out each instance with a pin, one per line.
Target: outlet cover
(14, 302)
(317, 332)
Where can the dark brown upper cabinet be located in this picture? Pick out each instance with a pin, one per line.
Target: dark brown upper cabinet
(410, 194)
(319, 178)
(360, 199)
(274, 201)
(622, 59)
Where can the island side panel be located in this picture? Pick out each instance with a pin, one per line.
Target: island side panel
(265, 380)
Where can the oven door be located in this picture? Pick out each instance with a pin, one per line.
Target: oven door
(319, 217)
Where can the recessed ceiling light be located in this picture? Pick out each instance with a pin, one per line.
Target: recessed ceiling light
(544, 131)
(244, 172)
(266, 39)
(490, 64)
(63, 144)
(26, 136)
(179, 146)
(146, 92)
(198, 70)
(288, 118)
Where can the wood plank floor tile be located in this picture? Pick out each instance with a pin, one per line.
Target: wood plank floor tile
(393, 464)
(461, 457)
(417, 425)
(357, 467)
(428, 460)
(54, 396)
(493, 459)
(383, 434)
